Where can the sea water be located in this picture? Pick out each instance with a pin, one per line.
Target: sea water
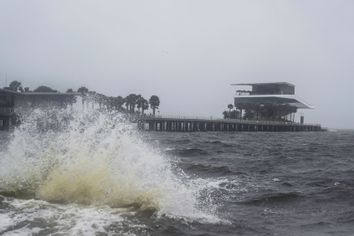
(87, 172)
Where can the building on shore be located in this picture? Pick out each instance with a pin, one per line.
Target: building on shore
(7, 103)
(14, 103)
(268, 101)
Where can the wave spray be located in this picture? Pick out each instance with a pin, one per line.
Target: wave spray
(93, 158)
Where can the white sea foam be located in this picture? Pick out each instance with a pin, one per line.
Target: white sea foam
(5, 222)
(69, 219)
(95, 159)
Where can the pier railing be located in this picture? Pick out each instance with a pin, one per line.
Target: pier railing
(219, 119)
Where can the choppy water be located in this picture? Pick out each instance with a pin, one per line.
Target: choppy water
(99, 176)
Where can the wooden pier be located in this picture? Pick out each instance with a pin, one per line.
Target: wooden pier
(169, 124)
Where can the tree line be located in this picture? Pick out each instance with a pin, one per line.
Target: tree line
(17, 87)
(132, 104)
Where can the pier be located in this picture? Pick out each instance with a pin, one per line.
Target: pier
(184, 124)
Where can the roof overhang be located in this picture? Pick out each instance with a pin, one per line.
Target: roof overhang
(270, 83)
(290, 100)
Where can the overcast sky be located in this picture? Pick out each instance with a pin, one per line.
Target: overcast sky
(187, 52)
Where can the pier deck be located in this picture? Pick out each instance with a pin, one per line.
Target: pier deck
(183, 124)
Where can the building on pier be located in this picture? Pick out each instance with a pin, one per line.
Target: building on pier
(268, 101)
(263, 107)
(180, 124)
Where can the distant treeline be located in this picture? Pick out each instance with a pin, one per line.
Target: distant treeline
(133, 103)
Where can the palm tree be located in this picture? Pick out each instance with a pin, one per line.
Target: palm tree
(145, 106)
(139, 101)
(230, 106)
(111, 103)
(154, 103)
(234, 114)
(100, 99)
(83, 90)
(130, 101)
(118, 103)
(226, 114)
(142, 104)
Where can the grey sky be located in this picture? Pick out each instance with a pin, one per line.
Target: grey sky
(186, 51)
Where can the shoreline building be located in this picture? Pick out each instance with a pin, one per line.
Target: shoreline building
(14, 103)
(268, 101)
(7, 103)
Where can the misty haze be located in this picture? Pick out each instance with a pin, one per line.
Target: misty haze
(176, 117)
(187, 52)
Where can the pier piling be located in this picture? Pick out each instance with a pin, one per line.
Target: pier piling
(160, 124)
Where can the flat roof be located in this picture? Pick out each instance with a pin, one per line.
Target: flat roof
(39, 93)
(48, 93)
(7, 91)
(270, 83)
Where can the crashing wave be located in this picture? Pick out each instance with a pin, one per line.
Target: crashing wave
(93, 158)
